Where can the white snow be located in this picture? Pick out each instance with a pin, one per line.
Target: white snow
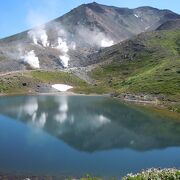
(61, 87)
(136, 15)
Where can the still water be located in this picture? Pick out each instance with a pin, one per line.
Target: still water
(76, 135)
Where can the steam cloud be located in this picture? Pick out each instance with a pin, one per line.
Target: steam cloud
(31, 59)
(64, 44)
(63, 47)
(94, 37)
(39, 36)
(62, 39)
(65, 60)
(106, 43)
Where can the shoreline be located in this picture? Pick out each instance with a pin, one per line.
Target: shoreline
(149, 105)
(34, 87)
(68, 93)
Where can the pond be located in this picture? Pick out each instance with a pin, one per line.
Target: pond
(79, 135)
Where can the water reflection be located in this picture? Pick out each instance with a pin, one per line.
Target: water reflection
(93, 123)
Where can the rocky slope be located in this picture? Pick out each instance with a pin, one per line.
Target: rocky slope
(146, 66)
(68, 40)
(171, 24)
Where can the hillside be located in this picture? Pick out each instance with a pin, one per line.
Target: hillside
(170, 25)
(77, 49)
(144, 68)
(66, 41)
(147, 66)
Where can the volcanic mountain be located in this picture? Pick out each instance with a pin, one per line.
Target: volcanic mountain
(68, 40)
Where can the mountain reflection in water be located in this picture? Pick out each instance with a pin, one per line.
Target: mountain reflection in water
(90, 123)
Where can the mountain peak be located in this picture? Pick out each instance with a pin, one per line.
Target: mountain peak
(93, 3)
(83, 31)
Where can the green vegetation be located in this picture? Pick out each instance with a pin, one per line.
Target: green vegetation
(155, 174)
(28, 81)
(155, 69)
(57, 77)
(149, 64)
(150, 174)
(79, 85)
(13, 84)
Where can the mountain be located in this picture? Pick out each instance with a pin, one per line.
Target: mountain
(143, 68)
(171, 24)
(68, 40)
(147, 66)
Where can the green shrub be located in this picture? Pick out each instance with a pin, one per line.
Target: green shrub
(155, 174)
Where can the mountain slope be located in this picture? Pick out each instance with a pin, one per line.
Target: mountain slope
(172, 24)
(68, 40)
(147, 65)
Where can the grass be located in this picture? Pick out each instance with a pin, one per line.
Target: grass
(154, 70)
(57, 77)
(79, 85)
(13, 83)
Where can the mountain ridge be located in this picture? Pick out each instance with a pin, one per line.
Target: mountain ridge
(67, 41)
(96, 53)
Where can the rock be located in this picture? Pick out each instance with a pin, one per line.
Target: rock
(24, 84)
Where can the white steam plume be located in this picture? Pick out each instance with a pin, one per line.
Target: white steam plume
(106, 42)
(72, 46)
(65, 60)
(64, 48)
(94, 37)
(39, 36)
(31, 59)
(62, 45)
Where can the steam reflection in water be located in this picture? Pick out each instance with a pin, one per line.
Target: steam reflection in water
(75, 135)
(93, 123)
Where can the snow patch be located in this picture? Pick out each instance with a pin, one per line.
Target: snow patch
(136, 15)
(61, 87)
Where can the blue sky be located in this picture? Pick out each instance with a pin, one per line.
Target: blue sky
(19, 15)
